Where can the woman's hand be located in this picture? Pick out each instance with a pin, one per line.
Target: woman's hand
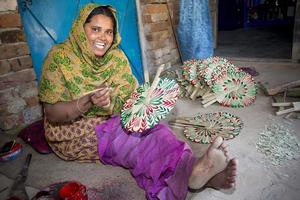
(101, 97)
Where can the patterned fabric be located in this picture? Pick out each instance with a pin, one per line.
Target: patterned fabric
(70, 70)
(76, 140)
(194, 29)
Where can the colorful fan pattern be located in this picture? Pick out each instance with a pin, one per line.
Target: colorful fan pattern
(143, 110)
(204, 128)
(238, 87)
(213, 68)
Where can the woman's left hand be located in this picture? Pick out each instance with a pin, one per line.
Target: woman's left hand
(101, 97)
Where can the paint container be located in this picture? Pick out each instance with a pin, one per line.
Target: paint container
(73, 190)
(10, 151)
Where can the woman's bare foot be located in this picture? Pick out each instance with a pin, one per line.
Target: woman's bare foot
(211, 163)
(225, 179)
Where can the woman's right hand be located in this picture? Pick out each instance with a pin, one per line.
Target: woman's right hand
(101, 97)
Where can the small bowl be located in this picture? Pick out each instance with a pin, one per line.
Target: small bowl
(12, 154)
(73, 190)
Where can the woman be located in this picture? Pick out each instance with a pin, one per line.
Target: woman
(80, 123)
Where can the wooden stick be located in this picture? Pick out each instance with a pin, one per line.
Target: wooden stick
(296, 107)
(283, 87)
(156, 78)
(98, 89)
(155, 81)
(285, 111)
(174, 33)
(282, 104)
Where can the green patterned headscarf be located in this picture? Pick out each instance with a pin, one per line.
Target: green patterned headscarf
(71, 69)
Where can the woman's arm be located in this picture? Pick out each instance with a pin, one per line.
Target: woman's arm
(70, 110)
(67, 111)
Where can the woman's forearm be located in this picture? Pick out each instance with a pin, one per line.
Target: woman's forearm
(67, 111)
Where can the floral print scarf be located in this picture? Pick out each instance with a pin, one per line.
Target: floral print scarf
(71, 69)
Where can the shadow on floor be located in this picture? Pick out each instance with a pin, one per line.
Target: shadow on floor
(257, 42)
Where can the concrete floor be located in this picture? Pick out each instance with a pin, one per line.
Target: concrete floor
(256, 42)
(257, 178)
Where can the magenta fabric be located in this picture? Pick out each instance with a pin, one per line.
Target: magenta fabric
(159, 162)
(34, 135)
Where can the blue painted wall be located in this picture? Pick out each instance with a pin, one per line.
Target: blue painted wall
(47, 22)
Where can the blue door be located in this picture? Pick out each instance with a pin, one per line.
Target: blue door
(47, 22)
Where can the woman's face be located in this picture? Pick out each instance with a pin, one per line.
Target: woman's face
(99, 32)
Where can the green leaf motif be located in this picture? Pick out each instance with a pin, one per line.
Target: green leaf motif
(82, 37)
(46, 85)
(86, 73)
(57, 58)
(72, 87)
(52, 67)
(64, 96)
(78, 80)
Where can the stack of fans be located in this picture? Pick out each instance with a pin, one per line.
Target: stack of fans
(215, 79)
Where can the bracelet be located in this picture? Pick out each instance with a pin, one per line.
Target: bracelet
(77, 105)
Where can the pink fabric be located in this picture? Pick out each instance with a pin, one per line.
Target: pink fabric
(159, 162)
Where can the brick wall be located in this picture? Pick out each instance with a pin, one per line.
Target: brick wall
(160, 18)
(19, 103)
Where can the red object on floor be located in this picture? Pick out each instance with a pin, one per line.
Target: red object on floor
(12, 153)
(34, 135)
(73, 191)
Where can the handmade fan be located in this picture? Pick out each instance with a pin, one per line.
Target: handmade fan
(148, 105)
(238, 87)
(194, 85)
(213, 68)
(190, 71)
(204, 128)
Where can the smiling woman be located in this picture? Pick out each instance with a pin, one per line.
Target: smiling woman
(99, 27)
(85, 82)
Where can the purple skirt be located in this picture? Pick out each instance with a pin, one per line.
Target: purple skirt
(159, 162)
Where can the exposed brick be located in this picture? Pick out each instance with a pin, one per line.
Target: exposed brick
(158, 44)
(7, 95)
(146, 19)
(12, 36)
(16, 78)
(32, 101)
(156, 27)
(10, 20)
(8, 5)
(175, 54)
(154, 8)
(157, 53)
(11, 121)
(143, 2)
(4, 67)
(31, 114)
(13, 50)
(159, 17)
(27, 90)
(161, 35)
(20, 63)
(12, 107)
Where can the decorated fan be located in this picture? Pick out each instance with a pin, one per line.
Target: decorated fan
(204, 128)
(194, 86)
(213, 68)
(149, 104)
(237, 89)
(190, 71)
